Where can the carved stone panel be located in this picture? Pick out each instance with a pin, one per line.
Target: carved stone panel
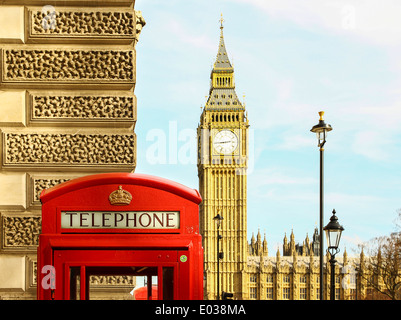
(20, 231)
(115, 281)
(86, 3)
(54, 150)
(37, 183)
(40, 184)
(68, 66)
(96, 109)
(31, 276)
(48, 23)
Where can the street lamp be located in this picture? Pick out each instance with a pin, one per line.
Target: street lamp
(321, 130)
(217, 219)
(333, 235)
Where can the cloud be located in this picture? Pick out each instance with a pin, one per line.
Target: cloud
(351, 243)
(371, 144)
(373, 130)
(373, 21)
(351, 199)
(180, 92)
(386, 118)
(286, 113)
(284, 89)
(279, 178)
(280, 175)
(296, 141)
(179, 30)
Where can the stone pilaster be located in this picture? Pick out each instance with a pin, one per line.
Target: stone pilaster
(67, 109)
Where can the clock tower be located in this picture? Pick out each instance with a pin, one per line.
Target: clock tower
(222, 163)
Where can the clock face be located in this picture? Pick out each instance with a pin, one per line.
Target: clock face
(225, 142)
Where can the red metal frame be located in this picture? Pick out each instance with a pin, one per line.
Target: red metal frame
(62, 248)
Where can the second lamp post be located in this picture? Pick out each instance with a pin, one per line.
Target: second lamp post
(333, 235)
(217, 219)
(321, 130)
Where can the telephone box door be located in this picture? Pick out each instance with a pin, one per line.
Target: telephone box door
(164, 275)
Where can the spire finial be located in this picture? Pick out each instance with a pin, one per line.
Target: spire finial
(221, 22)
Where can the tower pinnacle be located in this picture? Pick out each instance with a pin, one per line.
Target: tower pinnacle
(222, 62)
(221, 22)
(222, 95)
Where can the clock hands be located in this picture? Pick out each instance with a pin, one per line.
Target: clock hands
(225, 141)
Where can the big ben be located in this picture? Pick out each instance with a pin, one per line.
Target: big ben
(223, 140)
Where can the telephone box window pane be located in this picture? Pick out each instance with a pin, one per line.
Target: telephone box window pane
(123, 283)
(168, 283)
(75, 280)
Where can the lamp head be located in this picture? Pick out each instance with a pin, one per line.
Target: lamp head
(333, 233)
(321, 129)
(217, 219)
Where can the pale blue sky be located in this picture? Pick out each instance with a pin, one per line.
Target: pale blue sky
(292, 59)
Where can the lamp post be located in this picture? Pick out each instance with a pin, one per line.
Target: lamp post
(321, 130)
(333, 235)
(217, 219)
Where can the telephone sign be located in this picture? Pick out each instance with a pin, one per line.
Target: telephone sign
(120, 220)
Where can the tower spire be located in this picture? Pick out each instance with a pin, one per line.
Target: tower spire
(222, 95)
(222, 62)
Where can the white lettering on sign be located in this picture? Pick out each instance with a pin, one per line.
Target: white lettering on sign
(120, 220)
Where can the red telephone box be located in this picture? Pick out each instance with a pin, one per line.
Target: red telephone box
(120, 224)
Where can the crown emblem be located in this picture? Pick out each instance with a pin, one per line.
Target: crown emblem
(120, 197)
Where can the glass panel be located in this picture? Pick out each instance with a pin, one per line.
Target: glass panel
(122, 283)
(75, 281)
(321, 136)
(168, 283)
(333, 237)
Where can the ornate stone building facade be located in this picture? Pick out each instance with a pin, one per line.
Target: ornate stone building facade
(294, 275)
(304, 249)
(67, 109)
